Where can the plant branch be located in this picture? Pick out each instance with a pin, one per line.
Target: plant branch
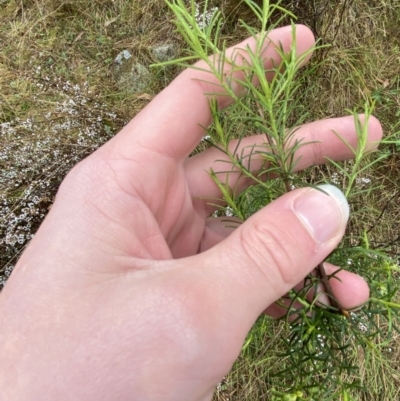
(320, 269)
(321, 273)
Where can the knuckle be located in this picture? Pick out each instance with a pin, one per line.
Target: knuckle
(316, 149)
(269, 249)
(80, 174)
(184, 333)
(181, 330)
(74, 180)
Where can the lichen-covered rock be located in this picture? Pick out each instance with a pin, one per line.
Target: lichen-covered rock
(124, 55)
(165, 52)
(130, 75)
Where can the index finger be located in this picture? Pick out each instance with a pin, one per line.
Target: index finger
(171, 124)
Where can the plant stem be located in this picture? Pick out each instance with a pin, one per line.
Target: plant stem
(320, 269)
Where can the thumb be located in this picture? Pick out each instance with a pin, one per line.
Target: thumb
(274, 250)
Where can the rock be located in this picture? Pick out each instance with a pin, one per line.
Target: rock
(130, 75)
(165, 52)
(124, 55)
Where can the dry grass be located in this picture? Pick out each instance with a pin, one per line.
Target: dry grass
(60, 100)
(252, 377)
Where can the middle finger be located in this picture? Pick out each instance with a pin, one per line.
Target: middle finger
(322, 144)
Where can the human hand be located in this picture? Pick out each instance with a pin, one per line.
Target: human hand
(129, 291)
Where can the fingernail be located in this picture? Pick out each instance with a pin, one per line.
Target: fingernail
(324, 213)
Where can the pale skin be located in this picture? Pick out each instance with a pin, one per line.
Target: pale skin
(129, 291)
